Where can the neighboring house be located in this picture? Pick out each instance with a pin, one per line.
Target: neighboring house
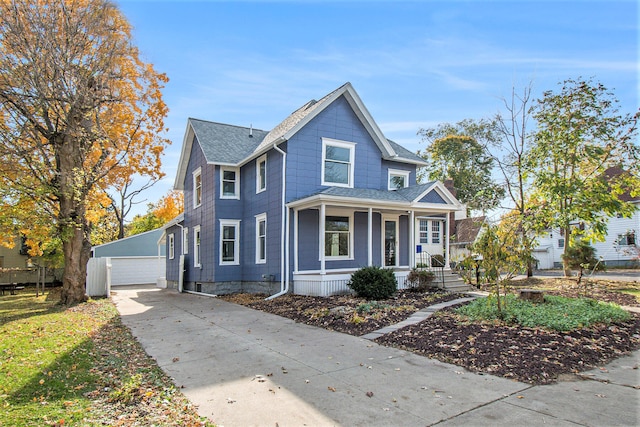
(302, 206)
(134, 260)
(143, 244)
(15, 257)
(464, 233)
(620, 247)
(17, 266)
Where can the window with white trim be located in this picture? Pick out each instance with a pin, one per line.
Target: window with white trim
(627, 239)
(435, 231)
(261, 174)
(197, 187)
(261, 238)
(337, 237)
(185, 240)
(196, 247)
(337, 163)
(229, 183)
(398, 179)
(229, 242)
(172, 246)
(424, 231)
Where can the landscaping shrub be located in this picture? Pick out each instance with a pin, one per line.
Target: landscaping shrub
(420, 280)
(556, 313)
(373, 283)
(437, 260)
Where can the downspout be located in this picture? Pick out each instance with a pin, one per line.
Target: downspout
(181, 273)
(284, 233)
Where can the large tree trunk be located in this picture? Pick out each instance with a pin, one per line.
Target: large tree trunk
(72, 223)
(76, 250)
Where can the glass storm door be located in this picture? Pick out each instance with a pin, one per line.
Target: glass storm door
(390, 243)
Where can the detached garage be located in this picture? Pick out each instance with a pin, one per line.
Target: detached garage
(134, 260)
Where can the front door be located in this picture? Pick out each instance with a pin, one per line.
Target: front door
(390, 243)
(429, 239)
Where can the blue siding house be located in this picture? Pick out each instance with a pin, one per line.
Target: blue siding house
(301, 207)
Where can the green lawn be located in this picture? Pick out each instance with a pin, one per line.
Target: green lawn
(78, 366)
(555, 313)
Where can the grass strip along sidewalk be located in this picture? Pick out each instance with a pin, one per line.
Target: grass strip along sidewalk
(79, 365)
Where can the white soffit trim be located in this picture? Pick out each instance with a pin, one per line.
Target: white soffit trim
(185, 153)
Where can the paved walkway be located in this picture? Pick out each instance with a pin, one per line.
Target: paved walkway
(244, 367)
(416, 317)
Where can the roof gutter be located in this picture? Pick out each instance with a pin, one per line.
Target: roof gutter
(284, 233)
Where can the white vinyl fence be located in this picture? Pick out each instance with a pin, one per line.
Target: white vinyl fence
(102, 273)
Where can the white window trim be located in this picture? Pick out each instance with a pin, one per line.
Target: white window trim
(263, 187)
(349, 215)
(172, 246)
(420, 231)
(185, 241)
(197, 173)
(236, 247)
(351, 146)
(397, 172)
(440, 228)
(260, 218)
(197, 262)
(236, 195)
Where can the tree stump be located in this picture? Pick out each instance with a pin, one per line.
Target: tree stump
(533, 295)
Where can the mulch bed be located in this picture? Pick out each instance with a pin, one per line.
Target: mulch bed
(535, 356)
(344, 313)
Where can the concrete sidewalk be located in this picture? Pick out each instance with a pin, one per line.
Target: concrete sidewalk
(243, 367)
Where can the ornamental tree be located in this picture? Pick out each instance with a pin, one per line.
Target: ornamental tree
(580, 135)
(79, 109)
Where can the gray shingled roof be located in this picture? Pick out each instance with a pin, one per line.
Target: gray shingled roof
(404, 153)
(226, 144)
(296, 117)
(408, 194)
(229, 144)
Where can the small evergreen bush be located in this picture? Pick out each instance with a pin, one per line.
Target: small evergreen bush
(373, 283)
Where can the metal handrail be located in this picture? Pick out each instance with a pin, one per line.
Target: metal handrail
(429, 265)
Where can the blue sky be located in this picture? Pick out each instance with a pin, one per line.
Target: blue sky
(414, 63)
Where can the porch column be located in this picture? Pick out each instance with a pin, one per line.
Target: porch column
(295, 240)
(321, 238)
(446, 240)
(370, 239)
(412, 239)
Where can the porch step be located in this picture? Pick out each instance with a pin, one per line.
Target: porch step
(452, 282)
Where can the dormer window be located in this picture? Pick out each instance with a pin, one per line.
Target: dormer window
(398, 179)
(229, 183)
(337, 162)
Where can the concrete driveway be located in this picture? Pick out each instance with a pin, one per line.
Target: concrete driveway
(248, 368)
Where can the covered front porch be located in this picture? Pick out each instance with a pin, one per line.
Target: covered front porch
(336, 234)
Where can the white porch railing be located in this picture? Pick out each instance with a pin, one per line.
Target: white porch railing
(316, 284)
